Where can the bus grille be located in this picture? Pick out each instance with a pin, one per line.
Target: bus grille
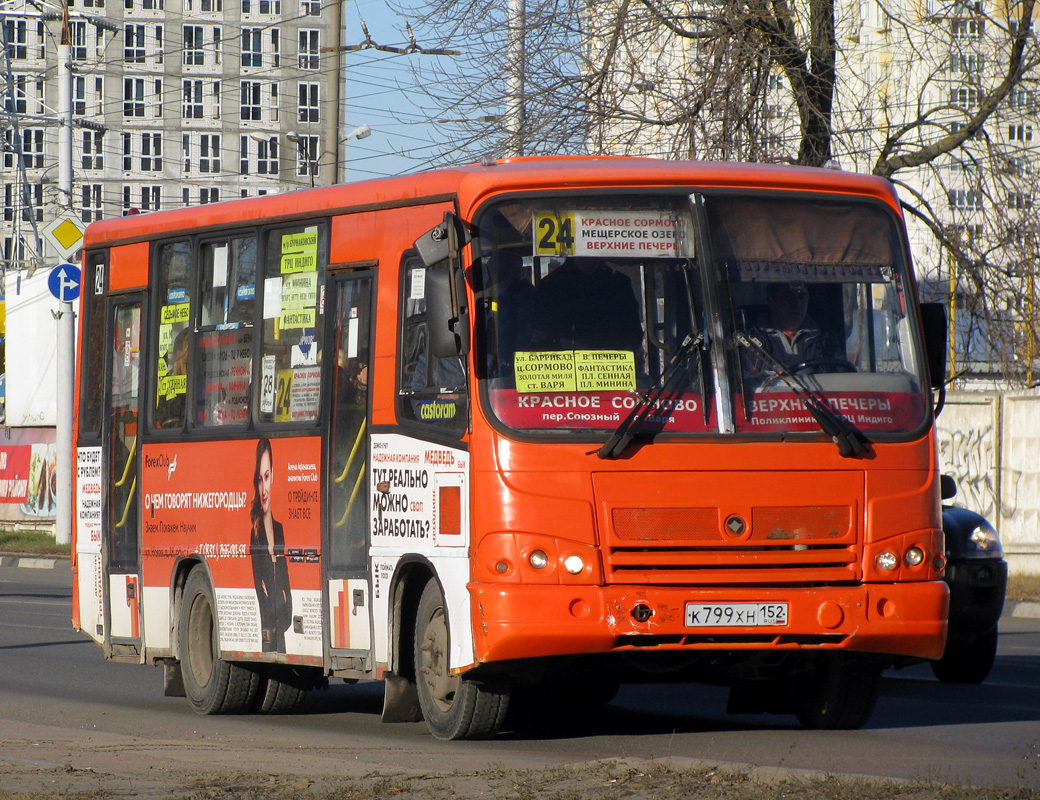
(692, 545)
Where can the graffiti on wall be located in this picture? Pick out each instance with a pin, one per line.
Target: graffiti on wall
(967, 454)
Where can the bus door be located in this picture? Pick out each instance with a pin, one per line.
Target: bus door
(347, 478)
(122, 545)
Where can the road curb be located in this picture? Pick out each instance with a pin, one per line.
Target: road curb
(1024, 609)
(35, 562)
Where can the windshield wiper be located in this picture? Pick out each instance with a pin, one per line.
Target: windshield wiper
(851, 441)
(630, 425)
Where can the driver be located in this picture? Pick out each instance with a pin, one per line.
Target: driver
(787, 332)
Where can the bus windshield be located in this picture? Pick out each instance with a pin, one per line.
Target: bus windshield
(590, 307)
(587, 304)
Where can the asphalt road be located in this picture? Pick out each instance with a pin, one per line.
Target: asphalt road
(62, 705)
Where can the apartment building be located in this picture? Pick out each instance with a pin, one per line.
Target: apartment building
(175, 102)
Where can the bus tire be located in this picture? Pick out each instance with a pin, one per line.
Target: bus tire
(281, 690)
(453, 706)
(213, 685)
(837, 694)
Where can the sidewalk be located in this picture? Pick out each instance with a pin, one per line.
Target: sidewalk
(1021, 609)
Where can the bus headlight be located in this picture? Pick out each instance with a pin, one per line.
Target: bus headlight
(887, 561)
(538, 559)
(914, 556)
(574, 565)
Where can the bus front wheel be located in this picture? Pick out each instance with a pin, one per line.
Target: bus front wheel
(453, 706)
(838, 693)
(213, 685)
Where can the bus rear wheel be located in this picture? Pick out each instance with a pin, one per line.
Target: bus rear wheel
(213, 685)
(453, 706)
(839, 693)
(282, 688)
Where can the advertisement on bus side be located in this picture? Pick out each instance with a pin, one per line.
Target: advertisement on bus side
(251, 509)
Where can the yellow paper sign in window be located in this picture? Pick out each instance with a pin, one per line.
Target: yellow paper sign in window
(604, 370)
(548, 371)
(176, 312)
(300, 252)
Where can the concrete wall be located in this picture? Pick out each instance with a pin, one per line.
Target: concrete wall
(990, 443)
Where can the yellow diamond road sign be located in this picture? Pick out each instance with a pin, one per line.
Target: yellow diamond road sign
(64, 234)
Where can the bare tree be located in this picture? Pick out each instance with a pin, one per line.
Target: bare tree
(935, 95)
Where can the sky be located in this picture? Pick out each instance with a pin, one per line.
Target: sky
(381, 93)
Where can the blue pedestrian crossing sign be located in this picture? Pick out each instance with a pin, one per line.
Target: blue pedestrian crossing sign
(64, 282)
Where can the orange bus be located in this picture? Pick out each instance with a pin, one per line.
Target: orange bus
(539, 426)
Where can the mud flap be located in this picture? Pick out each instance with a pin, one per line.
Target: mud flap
(400, 700)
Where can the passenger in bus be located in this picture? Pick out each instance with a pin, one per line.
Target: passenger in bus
(584, 304)
(787, 332)
(510, 310)
(267, 549)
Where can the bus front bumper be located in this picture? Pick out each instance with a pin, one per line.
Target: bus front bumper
(514, 622)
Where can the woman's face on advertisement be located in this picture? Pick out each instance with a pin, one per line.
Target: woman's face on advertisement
(263, 482)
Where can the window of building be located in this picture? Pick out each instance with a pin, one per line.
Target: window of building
(270, 6)
(17, 38)
(965, 96)
(79, 95)
(273, 108)
(191, 106)
(211, 6)
(93, 150)
(152, 5)
(1020, 201)
(133, 97)
(151, 151)
(1021, 132)
(276, 47)
(969, 28)
(215, 98)
(309, 49)
(308, 106)
(965, 199)
(91, 209)
(194, 45)
(158, 44)
(218, 45)
(971, 64)
(209, 194)
(32, 148)
(250, 103)
(157, 99)
(78, 36)
(209, 153)
(310, 8)
(133, 44)
(15, 100)
(306, 155)
(41, 103)
(151, 198)
(252, 51)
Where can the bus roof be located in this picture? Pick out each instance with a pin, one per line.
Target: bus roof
(473, 183)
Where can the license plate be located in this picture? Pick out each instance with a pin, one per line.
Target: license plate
(728, 615)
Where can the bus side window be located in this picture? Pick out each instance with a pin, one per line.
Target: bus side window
(293, 287)
(430, 391)
(174, 334)
(224, 337)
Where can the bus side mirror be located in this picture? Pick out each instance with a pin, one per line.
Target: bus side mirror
(933, 320)
(442, 241)
(449, 330)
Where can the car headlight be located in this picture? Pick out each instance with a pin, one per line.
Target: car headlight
(983, 542)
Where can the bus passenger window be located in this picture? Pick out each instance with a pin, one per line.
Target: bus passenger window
(174, 334)
(224, 338)
(293, 309)
(431, 391)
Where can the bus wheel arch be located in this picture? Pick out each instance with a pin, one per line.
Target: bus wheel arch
(454, 706)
